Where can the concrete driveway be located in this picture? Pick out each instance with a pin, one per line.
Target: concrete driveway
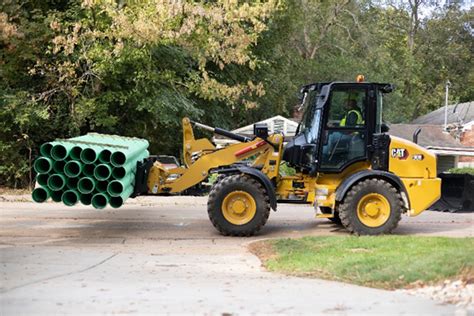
(162, 255)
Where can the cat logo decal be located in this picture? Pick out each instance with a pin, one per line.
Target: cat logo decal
(400, 153)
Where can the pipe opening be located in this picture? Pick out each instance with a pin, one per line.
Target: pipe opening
(88, 155)
(45, 150)
(86, 199)
(86, 185)
(102, 172)
(104, 156)
(118, 159)
(59, 152)
(73, 169)
(101, 186)
(99, 200)
(42, 179)
(43, 165)
(70, 197)
(56, 182)
(75, 153)
(115, 188)
(40, 195)
(56, 195)
(116, 201)
(119, 172)
(88, 170)
(71, 183)
(58, 166)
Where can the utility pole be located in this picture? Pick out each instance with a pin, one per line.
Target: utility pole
(448, 84)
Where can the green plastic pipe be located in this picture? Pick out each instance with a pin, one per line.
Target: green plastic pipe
(43, 165)
(100, 200)
(56, 182)
(45, 150)
(86, 185)
(71, 183)
(88, 170)
(75, 152)
(60, 151)
(101, 186)
(42, 179)
(40, 194)
(117, 187)
(89, 155)
(86, 199)
(56, 195)
(58, 166)
(73, 168)
(70, 197)
(104, 156)
(117, 201)
(122, 157)
(119, 173)
(61, 148)
(102, 172)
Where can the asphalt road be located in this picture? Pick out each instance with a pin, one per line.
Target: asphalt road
(162, 255)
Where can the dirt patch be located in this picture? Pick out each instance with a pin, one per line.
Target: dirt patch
(9, 191)
(263, 250)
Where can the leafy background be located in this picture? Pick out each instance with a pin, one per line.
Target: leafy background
(136, 68)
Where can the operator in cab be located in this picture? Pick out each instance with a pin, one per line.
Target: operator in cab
(353, 115)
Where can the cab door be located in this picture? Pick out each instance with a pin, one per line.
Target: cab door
(345, 127)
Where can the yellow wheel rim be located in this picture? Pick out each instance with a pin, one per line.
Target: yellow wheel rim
(239, 207)
(373, 210)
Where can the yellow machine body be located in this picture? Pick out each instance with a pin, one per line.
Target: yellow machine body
(414, 165)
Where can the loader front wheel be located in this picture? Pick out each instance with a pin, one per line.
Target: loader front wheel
(371, 207)
(238, 205)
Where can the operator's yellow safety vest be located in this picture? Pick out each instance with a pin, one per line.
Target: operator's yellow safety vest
(360, 119)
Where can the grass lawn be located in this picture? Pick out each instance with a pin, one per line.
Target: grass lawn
(382, 261)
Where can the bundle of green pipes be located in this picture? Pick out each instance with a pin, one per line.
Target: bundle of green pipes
(94, 169)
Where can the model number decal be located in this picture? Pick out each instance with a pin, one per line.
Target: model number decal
(400, 153)
(418, 157)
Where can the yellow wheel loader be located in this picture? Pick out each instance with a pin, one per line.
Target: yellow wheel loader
(347, 166)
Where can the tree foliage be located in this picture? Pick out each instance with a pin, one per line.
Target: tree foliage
(136, 68)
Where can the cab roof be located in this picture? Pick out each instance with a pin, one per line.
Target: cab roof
(384, 87)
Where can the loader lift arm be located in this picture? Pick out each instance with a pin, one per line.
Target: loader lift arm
(201, 157)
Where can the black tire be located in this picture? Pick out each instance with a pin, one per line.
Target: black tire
(348, 208)
(219, 178)
(238, 183)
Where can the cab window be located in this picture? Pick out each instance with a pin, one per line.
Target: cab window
(347, 108)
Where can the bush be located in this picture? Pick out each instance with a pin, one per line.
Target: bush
(465, 170)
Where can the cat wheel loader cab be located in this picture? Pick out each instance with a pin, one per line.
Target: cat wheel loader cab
(363, 177)
(347, 167)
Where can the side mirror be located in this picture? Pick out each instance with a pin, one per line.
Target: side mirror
(384, 128)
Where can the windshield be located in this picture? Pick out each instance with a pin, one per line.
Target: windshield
(311, 117)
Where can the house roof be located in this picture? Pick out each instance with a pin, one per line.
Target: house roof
(275, 124)
(433, 138)
(458, 113)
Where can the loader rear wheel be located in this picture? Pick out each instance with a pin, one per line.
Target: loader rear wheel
(238, 205)
(371, 207)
